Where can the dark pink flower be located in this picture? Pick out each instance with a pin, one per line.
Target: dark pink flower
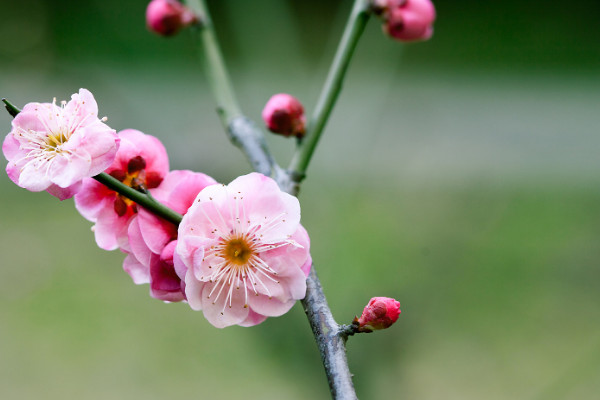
(53, 148)
(408, 20)
(242, 252)
(141, 162)
(167, 17)
(152, 240)
(284, 114)
(380, 313)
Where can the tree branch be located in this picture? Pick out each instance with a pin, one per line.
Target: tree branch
(330, 338)
(333, 86)
(242, 132)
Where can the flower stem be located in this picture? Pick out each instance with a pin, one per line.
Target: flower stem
(12, 110)
(140, 198)
(242, 131)
(333, 85)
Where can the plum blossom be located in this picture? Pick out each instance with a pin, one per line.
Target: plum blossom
(140, 163)
(53, 147)
(242, 252)
(152, 240)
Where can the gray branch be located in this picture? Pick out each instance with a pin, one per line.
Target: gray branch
(331, 339)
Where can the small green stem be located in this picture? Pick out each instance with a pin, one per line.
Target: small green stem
(333, 85)
(12, 110)
(140, 198)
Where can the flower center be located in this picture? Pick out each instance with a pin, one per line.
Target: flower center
(237, 251)
(53, 141)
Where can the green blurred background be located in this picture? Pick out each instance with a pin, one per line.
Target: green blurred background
(460, 176)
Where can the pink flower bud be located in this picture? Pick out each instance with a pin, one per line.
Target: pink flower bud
(409, 20)
(167, 17)
(284, 114)
(380, 313)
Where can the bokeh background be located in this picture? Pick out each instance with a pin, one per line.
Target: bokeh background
(460, 176)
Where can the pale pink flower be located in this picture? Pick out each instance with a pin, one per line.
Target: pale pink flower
(167, 17)
(152, 240)
(141, 162)
(380, 313)
(242, 252)
(284, 114)
(53, 148)
(408, 20)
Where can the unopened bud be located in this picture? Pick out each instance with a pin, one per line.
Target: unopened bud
(167, 17)
(407, 20)
(284, 114)
(380, 313)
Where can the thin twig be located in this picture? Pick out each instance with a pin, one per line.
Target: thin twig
(242, 132)
(146, 201)
(333, 85)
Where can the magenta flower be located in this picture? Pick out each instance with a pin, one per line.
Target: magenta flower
(242, 252)
(380, 313)
(167, 17)
(152, 240)
(284, 114)
(407, 20)
(53, 148)
(141, 162)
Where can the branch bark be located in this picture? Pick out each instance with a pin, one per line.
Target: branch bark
(330, 338)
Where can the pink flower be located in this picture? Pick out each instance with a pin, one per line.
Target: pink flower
(409, 20)
(152, 240)
(284, 114)
(380, 313)
(53, 148)
(242, 252)
(167, 17)
(141, 162)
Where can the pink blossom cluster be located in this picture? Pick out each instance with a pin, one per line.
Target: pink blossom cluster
(240, 254)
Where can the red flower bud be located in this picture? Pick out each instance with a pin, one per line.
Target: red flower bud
(407, 20)
(167, 17)
(380, 313)
(284, 114)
